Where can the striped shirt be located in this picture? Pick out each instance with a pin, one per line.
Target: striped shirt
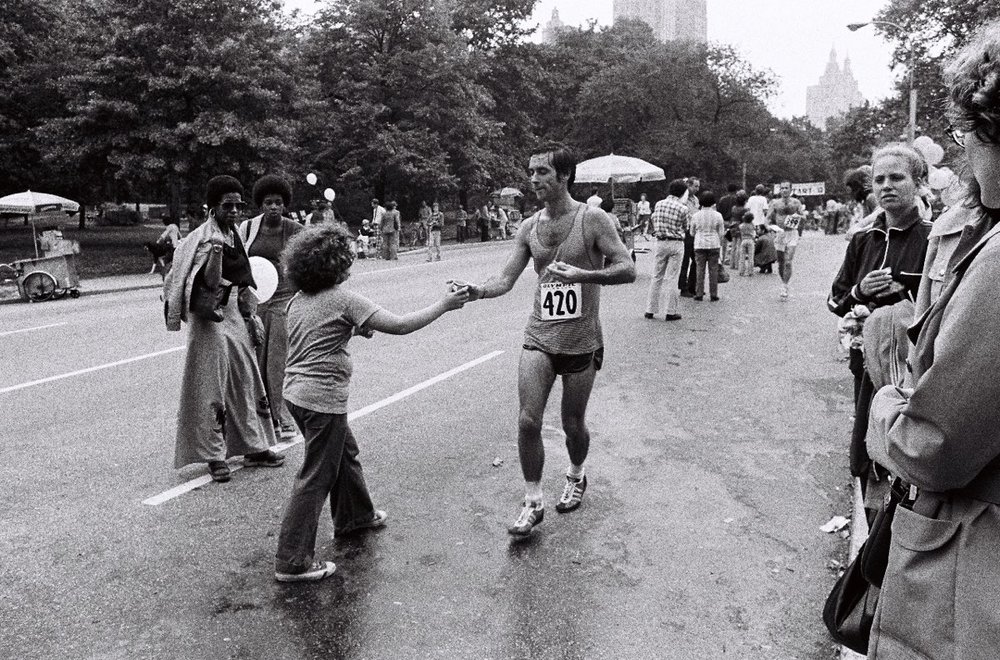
(670, 218)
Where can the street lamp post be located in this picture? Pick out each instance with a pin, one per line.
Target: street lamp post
(911, 131)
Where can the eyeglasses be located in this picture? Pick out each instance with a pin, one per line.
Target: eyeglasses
(233, 206)
(957, 135)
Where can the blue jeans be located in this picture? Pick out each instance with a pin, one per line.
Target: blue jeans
(330, 468)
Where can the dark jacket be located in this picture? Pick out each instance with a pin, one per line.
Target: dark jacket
(900, 248)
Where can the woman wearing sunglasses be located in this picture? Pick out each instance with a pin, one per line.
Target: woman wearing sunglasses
(224, 408)
(939, 597)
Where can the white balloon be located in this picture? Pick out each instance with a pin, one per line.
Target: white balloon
(922, 142)
(329, 194)
(939, 179)
(934, 153)
(311, 179)
(265, 275)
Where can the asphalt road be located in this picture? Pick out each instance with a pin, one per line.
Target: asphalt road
(719, 448)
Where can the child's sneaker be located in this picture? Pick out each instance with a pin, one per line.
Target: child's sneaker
(318, 571)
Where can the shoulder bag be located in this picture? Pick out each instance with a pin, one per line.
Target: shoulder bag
(875, 554)
(207, 302)
(850, 608)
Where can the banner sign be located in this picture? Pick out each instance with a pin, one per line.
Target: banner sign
(805, 189)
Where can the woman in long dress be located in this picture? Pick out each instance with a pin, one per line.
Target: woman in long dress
(224, 409)
(266, 235)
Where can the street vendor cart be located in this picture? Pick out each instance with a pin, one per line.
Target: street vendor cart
(614, 169)
(53, 273)
(624, 212)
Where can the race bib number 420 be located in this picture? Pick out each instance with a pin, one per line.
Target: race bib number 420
(561, 301)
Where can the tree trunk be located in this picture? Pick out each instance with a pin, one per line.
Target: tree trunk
(83, 217)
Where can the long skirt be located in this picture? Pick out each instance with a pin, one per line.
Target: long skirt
(224, 410)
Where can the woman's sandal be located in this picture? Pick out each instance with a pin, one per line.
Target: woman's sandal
(220, 471)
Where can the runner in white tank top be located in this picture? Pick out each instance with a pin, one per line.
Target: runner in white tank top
(569, 243)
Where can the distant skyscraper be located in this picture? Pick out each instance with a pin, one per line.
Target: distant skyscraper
(671, 20)
(836, 93)
(552, 28)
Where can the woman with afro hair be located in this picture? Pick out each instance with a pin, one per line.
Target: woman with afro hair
(224, 410)
(322, 318)
(266, 235)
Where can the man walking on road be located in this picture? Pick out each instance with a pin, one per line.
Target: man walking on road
(670, 224)
(569, 243)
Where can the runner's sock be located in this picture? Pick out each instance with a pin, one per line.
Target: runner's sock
(575, 472)
(533, 492)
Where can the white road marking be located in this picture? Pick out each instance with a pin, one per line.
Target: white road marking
(42, 381)
(188, 486)
(37, 327)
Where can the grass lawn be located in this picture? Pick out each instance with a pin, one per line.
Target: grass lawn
(103, 250)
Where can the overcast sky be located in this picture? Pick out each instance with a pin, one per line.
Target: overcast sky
(792, 38)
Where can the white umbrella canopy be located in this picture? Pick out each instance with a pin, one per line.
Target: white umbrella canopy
(509, 192)
(28, 202)
(617, 169)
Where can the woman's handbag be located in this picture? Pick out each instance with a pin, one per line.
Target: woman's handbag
(207, 302)
(850, 608)
(875, 555)
(723, 275)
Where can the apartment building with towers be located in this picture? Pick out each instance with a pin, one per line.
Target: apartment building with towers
(836, 93)
(671, 20)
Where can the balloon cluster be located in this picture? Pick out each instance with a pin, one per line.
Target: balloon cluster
(328, 194)
(938, 178)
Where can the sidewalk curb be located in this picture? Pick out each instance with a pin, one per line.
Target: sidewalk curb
(92, 292)
(859, 532)
(159, 285)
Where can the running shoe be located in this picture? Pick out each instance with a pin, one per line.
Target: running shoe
(318, 571)
(572, 494)
(530, 516)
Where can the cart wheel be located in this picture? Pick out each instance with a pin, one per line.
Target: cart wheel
(39, 286)
(74, 293)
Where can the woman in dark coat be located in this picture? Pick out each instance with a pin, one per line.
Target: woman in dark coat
(941, 594)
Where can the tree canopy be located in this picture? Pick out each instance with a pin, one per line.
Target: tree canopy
(402, 99)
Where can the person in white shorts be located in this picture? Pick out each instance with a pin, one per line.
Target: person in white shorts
(780, 214)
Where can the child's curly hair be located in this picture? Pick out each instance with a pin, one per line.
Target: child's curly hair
(318, 258)
(973, 78)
